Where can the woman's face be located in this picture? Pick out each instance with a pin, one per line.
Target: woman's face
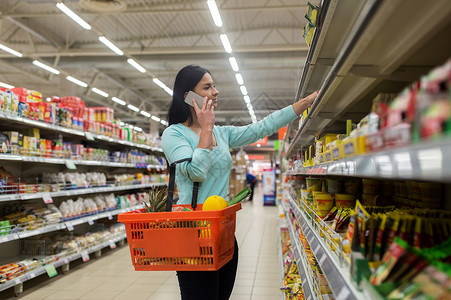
(206, 88)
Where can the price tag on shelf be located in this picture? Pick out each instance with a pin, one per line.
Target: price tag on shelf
(18, 281)
(66, 261)
(110, 217)
(69, 226)
(309, 297)
(51, 271)
(322, 259)
(90, 222)
(112, 244)
(89, 136)
(31, 275)
(85, 256)
(316, 248)
(47, 198)
(344, 293)
(70, 165)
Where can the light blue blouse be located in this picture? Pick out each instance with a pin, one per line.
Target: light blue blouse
(212, 167)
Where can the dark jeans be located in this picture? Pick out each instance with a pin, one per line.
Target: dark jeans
(252, 190)
(209, 285)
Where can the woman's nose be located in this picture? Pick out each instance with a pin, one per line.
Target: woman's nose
(215, 91)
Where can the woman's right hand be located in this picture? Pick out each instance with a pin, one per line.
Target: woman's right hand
(206, 114)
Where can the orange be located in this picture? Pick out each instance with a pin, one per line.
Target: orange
(214, 203)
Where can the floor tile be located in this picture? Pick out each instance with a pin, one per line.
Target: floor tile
(164, 296)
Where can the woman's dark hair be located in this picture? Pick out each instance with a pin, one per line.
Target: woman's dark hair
(185, 81)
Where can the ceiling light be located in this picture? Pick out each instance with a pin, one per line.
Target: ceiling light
(132, 107)
(249, 106)
(214, 12)
(73, 16)
(155, 118)
(159, 83)
(226, 43)
(45, 67)
(139, 129)
(239, 78)
(48, 99)
(100, 92)
(162, 122)
(136, 65)
(121, 123)
(243, 90)
(110, 45)
(5, 85)
(76, 81)
(9, 50)
(234, 64)
(145, 113)
(247, 99)
(169, 91)
(118, 101)
(258, 145)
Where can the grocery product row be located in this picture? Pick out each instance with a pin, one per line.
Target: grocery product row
(58, 184)
(20, 220)
(27, 145)
(42, 255)
(356, 245)
(68, 115)
(400, 138)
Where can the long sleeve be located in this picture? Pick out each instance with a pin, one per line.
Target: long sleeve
(176, 146)
(245, 135)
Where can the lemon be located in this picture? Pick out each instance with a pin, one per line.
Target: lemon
(214, 203)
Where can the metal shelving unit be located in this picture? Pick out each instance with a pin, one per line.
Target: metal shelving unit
(427, 161)
(306, 280)
(389, 45)
(337, 275)
(64, 261)
(66, 224)
(65, 161)
(78, 191)
(61, 129)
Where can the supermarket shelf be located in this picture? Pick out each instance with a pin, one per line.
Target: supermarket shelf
(281, 267)
(76, 192)
(427, 161)
(64, 161)
(391, 44)
(64, 225)
(306, 280)
(59, 263)
(337, 276)
(21, 120)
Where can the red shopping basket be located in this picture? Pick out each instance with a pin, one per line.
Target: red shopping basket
(180, 241)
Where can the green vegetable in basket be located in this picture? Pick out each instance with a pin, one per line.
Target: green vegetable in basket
(240, 196)
(187, 209)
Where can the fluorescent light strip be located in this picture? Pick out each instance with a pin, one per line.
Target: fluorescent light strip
(9, 50)
(76, 81)
(139, 129)
(214, 13)
(247, 99)
(110, 45)
(249, 106)
(243, 90)
(145, 113)
(73, 16)
(239, 78)
(45, 67)
(136, 65)
(132, 107)
(5, 85)
(155, 118)
(159, 83)
(118, 101)
(234, 64)
(226, 43)
(169, 91)
(100, 92)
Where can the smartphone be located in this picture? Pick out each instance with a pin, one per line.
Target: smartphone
(198, 98)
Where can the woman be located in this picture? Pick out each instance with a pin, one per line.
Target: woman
(192, 134)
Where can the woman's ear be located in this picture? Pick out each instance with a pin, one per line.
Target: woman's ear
(184, 95)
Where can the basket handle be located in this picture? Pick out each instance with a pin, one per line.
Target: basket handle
(172, 169)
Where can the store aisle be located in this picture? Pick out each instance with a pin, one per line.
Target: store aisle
(113, 277)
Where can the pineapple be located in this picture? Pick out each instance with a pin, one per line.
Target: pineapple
(157, 200)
